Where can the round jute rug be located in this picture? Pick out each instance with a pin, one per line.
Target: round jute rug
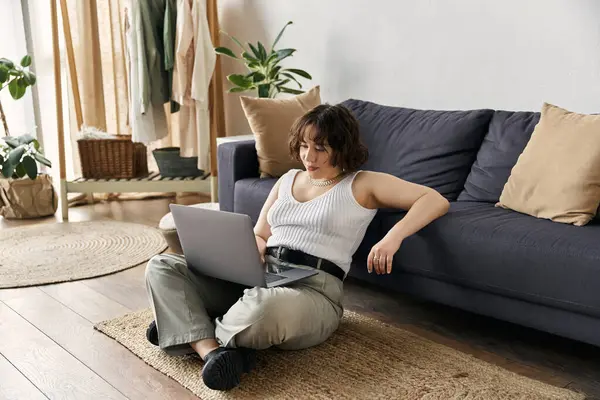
(51, 253)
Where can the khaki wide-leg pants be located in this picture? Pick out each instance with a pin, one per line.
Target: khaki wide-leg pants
(189, 307)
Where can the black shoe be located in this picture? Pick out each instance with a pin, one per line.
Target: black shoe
(152, 333)
(223, 368)
(249, 357)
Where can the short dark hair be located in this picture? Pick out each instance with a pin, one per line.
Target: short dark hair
(336, 126)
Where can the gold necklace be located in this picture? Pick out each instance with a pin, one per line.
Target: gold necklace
(325, 182)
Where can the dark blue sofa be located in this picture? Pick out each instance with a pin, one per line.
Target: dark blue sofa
(477, 257)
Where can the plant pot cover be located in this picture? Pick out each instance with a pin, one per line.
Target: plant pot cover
(26, 198)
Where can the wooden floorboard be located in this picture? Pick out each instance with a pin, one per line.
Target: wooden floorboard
(85, 301)
(36, 344)
(126, 288)
(72, 329)
(14, 385)
(53, 370)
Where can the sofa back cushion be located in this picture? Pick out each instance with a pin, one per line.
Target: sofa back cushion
(508, 135)
(428, 147)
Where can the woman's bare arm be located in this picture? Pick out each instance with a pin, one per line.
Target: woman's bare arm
(423, 204)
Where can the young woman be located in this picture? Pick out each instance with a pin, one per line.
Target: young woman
(314, 218)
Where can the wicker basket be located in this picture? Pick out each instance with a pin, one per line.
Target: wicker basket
(171, 164)
(112, 158)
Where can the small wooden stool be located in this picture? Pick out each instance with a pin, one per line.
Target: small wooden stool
(168, 230)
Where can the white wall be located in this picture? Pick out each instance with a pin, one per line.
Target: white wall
(438, 54)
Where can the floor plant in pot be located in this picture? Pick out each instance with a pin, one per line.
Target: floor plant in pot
(25, 191)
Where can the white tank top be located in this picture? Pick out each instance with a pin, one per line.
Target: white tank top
(330, 226)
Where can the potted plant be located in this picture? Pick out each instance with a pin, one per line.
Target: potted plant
(25, 192)
(265, 73)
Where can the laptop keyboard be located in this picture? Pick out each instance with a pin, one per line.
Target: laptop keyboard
(270, 278)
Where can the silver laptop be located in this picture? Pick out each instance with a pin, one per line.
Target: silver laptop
(222, 245)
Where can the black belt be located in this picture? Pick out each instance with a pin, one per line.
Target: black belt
(301, 258)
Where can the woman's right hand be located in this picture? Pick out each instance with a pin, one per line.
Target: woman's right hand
(262, 247)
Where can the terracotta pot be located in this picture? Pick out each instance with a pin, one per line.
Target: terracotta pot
(27, 198)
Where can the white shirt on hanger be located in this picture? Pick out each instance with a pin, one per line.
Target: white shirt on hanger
(195, 61)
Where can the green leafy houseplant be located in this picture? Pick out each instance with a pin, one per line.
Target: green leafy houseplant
(265, 73)
(17, 78)
(19, 156)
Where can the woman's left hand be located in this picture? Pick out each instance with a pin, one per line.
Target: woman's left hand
(382, 255)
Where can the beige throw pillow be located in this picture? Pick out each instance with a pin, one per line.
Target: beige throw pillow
(557, 176)
(270, 121)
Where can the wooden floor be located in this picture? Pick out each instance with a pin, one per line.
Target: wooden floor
(48, 348)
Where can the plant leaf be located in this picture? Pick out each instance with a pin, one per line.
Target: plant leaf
(292, 78)
(234, 39)
(271, 59)
(258, 77)
(29, 77)
(42, 160)
(7, 169)
(263, 51)
(292, 91)
(254, 65)
(26, 61)
(281, 83)
(274, 73)
(237, 90)
(25, 139)
(16, 89)
(225, 51)
(20, 170)
(9, 64)
(11, 141)
(14, 156)
(300, 72)
(284, 53)
(256, 52)
(248, 57)
(239, 80)
(280, 34)
(30, 167)
(3, 73)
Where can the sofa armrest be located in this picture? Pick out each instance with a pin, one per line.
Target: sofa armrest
(235, 161)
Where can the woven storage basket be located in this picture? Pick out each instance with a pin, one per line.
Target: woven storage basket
(112, 158)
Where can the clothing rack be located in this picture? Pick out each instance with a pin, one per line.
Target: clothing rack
(153, 182)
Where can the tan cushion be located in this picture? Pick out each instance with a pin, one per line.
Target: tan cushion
(270, 121)
(558, 174)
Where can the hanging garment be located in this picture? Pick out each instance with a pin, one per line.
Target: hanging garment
(170, 23)
(147, 114)
(144, 124)
(195, 61)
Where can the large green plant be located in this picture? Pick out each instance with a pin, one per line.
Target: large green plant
(19, 155)
(264, 72)
(16, 78)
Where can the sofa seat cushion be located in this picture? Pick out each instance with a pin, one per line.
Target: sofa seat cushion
(250, 194)
(429, 147)
(501, 251)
